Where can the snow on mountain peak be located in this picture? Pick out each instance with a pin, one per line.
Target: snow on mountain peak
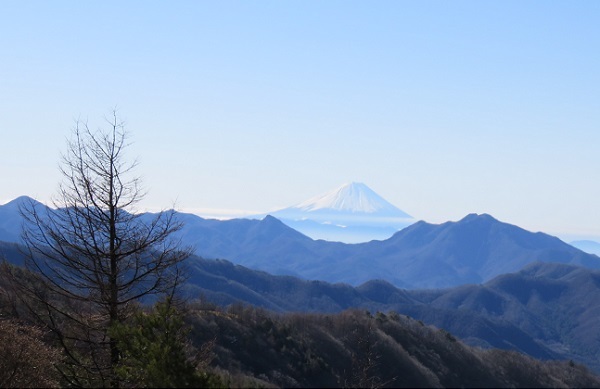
(352, 197)
(351, 213)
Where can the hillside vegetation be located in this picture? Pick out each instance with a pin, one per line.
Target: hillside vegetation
(355, 348)
(546, 310)
(246, 346)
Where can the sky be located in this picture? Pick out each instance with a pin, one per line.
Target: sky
(239, 107)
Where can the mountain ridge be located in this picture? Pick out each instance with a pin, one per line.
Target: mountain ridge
(275, 347)
(423, 255)
(546, 310)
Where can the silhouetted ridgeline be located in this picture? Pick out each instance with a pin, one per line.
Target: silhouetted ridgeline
(423, 255)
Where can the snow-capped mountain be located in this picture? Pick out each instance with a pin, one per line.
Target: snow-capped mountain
(355, 198)
(351, 213)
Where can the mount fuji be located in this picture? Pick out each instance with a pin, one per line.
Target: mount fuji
(352, 213)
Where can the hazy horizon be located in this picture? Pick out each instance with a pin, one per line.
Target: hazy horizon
(442, 108)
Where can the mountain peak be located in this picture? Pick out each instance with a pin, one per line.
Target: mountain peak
(19, 201)
(478, 216)
(352, 213)
(352, 197)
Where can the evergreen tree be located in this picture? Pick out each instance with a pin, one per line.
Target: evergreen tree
(155, 351)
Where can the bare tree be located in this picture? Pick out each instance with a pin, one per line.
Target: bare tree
(94, 255)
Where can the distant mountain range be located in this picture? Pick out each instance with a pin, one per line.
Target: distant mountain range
(470, 251)
(352, 213)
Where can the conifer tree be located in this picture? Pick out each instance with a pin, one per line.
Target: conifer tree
(155, 352)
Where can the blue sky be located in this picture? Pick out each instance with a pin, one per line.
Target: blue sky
(443, 108)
